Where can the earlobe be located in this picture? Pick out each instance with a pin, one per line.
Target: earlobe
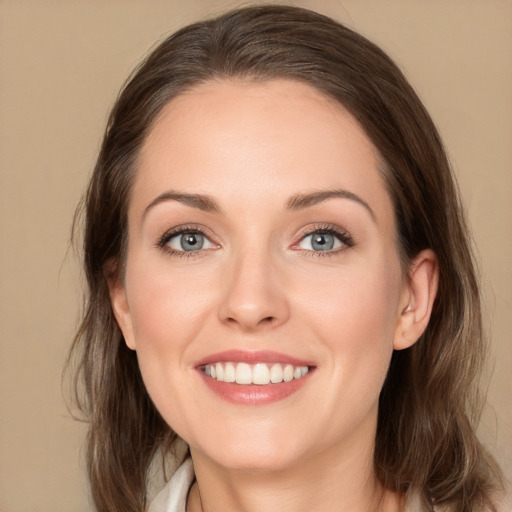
(416, 307)
(121, 310)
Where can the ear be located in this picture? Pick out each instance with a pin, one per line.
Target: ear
(121, 309)
(417, 301)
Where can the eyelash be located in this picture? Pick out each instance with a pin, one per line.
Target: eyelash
(343, 236)
(168, 235)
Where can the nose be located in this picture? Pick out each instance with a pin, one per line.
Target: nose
(254, 296)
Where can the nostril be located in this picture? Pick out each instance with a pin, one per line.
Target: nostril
(268, 320)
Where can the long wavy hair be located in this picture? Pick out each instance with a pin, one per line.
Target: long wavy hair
(429, 405)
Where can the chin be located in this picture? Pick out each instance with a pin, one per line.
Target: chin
(253, 455)
(256, 463)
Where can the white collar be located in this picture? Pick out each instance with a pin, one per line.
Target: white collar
(173, 497)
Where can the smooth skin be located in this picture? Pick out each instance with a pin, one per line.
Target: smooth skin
(232, 160)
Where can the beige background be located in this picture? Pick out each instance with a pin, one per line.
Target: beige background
(62, 63)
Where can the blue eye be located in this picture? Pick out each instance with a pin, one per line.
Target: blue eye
(323, 241)
(189, 241)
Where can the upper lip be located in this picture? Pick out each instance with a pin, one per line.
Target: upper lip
(252, 357)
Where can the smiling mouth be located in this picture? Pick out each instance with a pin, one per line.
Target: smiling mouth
(249, 374)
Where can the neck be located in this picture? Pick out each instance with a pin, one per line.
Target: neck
(331, 482)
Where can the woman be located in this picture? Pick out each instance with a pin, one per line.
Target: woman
(279, 275)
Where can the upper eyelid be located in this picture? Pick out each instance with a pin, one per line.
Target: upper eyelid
(328, 228)
(325, 228)
(342, 234)
(168, 235)
(309, 230)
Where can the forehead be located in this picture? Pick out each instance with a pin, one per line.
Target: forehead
(224, 138)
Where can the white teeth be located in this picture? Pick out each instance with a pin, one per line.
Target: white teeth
(229, 372)
(219, 370)
(243, 374)
(276, 373)
(288, 373)
(260, 373)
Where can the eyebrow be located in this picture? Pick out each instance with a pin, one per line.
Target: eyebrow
(302, 201)
(199, 201)
(297, 202)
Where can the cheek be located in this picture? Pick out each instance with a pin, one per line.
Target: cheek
(360, 303)
(167, 313)
(166, 307)
(355, 317)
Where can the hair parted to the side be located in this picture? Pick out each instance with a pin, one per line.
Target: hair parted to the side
(429, 405)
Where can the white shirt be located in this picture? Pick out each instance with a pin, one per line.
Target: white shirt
(173, 497)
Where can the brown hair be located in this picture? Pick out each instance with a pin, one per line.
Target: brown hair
(429, 404)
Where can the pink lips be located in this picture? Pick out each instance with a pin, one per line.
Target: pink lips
(260, 356)
(252, 394)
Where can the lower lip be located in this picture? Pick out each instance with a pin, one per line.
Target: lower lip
(254, 394)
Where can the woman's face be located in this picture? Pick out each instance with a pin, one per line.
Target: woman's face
(262, 248)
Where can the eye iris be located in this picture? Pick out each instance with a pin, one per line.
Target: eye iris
(322, 241)
(192, 241)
